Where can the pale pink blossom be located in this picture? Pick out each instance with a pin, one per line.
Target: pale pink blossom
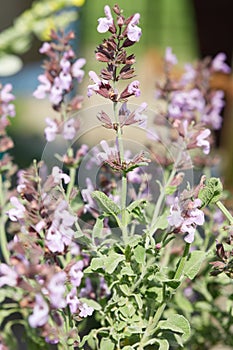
(133, 31)
(40, 314)
(104, 23)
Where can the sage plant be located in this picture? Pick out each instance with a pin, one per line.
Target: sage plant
(117, 263)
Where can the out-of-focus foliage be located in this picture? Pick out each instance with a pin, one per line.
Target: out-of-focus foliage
(37, 21)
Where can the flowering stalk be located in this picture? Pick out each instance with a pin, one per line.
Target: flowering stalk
(4, 248)
(125, 32)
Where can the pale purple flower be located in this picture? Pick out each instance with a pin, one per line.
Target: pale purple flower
(8, 276)
(109, 152)
(170, 57)
(72, 301)
(76, 273)
(189, 74)
(87, 197)
(76, 70)
(133, 31)
(85, 310)
(202, 142)
(56, 288)
(45, 48)
(60, 233)
(65, 81)
(56, 92)
(184, 104)
(58, 175)
(95, 86)
(7, 108)
(133, 88)
(195, 217)
(51, 129)
(40, 314)
(54, 240)
(175, 218)
(140, 118)
(104, 23)
(18, 210)
(5, 94)
(219, 65)
(43, 88)
(69, 129)
(65, 65)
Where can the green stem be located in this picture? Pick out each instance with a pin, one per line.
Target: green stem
(163, 194)
(224, 210)
(3, 235)
(72, 173)
(124, 177)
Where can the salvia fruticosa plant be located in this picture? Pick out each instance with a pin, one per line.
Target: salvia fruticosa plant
(140, 257)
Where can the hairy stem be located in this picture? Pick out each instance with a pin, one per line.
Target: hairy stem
(124, 178)
(225, 212)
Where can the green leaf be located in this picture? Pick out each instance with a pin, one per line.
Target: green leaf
(177, 324)
(139, 254)
(127, 310)
(138, 300)
(98, 227)
(127, 270)
(112, 261)
(170, 189)
(163, 343)
(194, 263)
(91, 303)
(106, 344)
(96, 263)
(125, 289)
(127, 347)
(105, 203)
(211, 192)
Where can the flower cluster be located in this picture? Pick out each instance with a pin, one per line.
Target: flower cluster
(61, 73)
(125, 32)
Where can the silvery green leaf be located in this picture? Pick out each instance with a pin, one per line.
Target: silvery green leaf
(105, 203)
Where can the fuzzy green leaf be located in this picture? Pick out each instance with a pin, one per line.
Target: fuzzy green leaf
(91, 303)
(211, 192)
(139, 254)
(106, 344)
(193, 264)
(105, 203)
(177, 324)
(112, 261)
